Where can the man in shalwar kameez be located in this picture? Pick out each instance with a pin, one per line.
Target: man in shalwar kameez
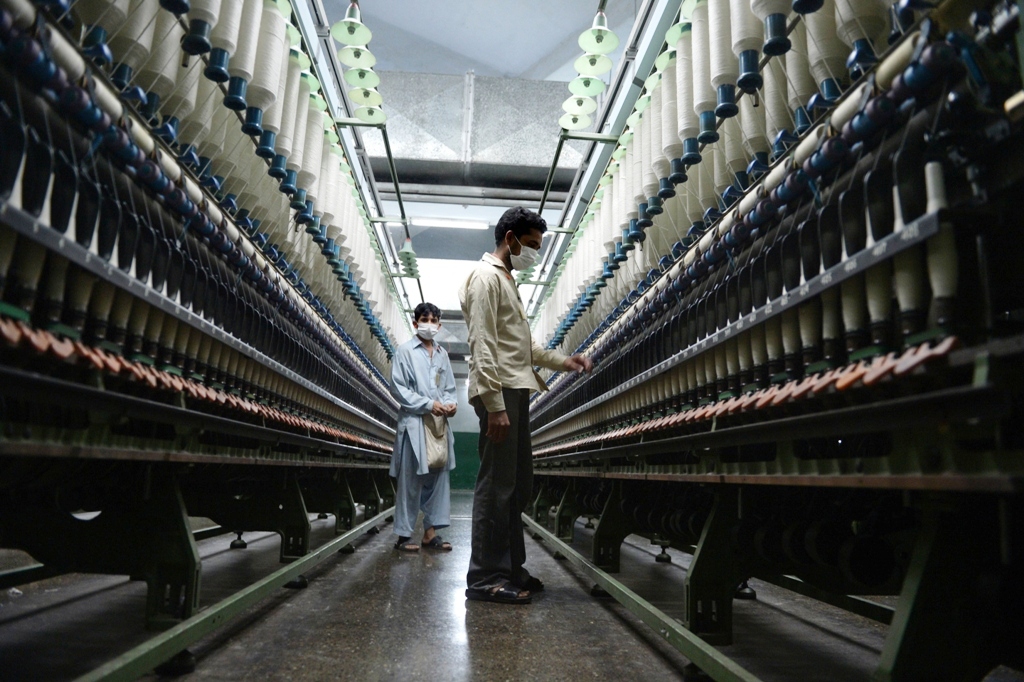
(423, 383)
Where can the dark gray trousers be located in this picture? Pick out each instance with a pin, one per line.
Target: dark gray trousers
(503, 489)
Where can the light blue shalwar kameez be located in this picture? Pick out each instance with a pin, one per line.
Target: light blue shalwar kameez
(417, 380)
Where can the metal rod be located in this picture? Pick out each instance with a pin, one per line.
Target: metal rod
(143, 658)
(551, 172)
(703, 655)
(590, 137)
(398, 197)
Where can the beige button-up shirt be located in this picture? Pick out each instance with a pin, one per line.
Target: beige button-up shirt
(502, 350)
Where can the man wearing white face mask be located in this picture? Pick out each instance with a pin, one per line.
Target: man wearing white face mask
(424, 386)
(501, 379)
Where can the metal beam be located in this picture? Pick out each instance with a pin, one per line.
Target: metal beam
(703, 655)
(143, 658)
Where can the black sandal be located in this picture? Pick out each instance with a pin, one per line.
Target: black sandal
(533, 585)
(403, 545)
(437, 543)
(504, 594)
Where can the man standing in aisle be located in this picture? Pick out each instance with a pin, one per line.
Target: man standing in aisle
(501, 379)
(424, 386)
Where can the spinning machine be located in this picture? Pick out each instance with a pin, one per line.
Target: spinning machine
(187, 285)
(799, 282)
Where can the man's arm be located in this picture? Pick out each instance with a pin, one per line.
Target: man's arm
(552, 359)
(450, 397)
(482, 320)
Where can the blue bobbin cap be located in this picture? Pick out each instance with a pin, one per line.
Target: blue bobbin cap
(726, 101)
(288, 183)
(235, 99)
(265, 148)
(278, 169)
(654, 206)
(708, 133)
(121, 76)
(666, 188)
(197, 40)
(807, 6)
(253, 121)
(678, 174)
(298, 199)
(691, 151)
(750, 76)
(217, 66)
(775, 41)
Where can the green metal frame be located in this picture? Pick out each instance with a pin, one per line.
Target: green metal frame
(703, 655)
(143, 658)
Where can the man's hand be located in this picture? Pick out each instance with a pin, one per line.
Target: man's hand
(437, 409)
(578, 363)
(497, 426)
(450, 409)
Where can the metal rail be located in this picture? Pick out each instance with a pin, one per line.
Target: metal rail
(982, 403)
(913, 233)
(143, 658)
(28, 226)
(703, 655)
(29, 385)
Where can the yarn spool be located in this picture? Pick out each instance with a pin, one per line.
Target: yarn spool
(777, 113)
(634, 158)
(773, 15)
(801, 85)
(196, 125)
(689, 123)
(943, 269)
(704, 97)
(243, 61)
(651, 149)
(724, 65)
(312, 148)
(671, 145)
(202, 17)
(755, 135)
(747, 35)
(224, 41)
(825, 52)
(735, 156)
(212, 146)
(103, 18)
(288, 185)
(158, 74)
(132, 44)
(723, 173)
(262, 89)
(272, 118)
(707, 193)
(660, 162)
(860, 24)
(289, 106)
(181, 101)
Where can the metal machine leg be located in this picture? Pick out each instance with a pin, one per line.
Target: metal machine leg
(713, 574)
(567, 513)
(611, 530)
(144, 534)
(953, 618)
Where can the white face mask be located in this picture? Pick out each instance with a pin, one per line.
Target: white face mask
(526, 258)
(427, 330)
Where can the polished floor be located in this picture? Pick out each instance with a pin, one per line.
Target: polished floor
(378, 614)
(383, 615)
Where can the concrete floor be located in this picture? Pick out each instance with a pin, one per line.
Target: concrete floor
(381, 615)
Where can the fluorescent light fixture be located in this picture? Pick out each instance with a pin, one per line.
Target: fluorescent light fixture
(452, 222)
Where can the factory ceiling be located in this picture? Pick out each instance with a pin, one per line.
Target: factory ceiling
(473, 91)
